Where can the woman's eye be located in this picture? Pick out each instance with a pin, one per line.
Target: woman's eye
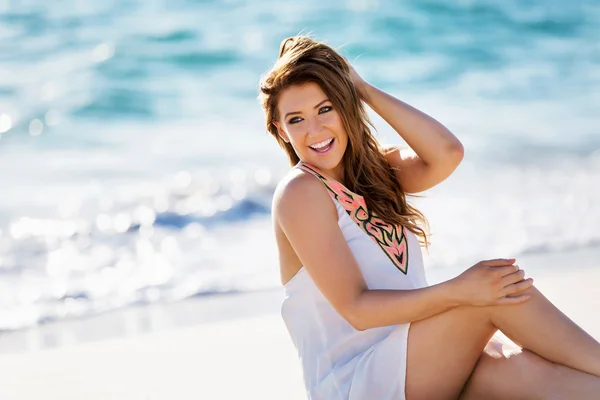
(322, 110)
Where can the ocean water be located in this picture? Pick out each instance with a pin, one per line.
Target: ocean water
(136, 167)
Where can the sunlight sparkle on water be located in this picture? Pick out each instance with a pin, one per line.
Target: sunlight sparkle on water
(5, 123)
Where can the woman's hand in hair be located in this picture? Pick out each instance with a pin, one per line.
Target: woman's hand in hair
(492, 282)
(359, 82)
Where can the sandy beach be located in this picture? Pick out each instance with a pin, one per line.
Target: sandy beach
(244, 358)
(248, 355)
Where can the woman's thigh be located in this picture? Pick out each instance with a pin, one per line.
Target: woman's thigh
(443, 351)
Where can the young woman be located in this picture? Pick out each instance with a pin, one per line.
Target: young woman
(358, 308)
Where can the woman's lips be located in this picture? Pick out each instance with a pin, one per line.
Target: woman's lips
(324, 150)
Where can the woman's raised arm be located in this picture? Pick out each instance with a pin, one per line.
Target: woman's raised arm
(434, 152)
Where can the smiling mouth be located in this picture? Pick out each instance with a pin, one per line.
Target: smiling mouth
(325, 148)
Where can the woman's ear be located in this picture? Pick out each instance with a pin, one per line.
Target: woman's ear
(281, 132)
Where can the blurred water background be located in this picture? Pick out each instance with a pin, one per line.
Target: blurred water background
(136, 168)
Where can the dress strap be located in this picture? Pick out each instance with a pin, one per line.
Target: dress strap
(391, 239)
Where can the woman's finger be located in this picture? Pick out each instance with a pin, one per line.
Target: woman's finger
(506, 270)
(498, 262)
(522, 298)
(512, 278)
(517, 287)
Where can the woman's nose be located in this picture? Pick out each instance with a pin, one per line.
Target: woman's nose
(314, 127)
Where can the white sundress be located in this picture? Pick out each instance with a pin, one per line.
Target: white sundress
(338, 361)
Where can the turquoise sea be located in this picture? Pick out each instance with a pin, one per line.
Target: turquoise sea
(136, 168)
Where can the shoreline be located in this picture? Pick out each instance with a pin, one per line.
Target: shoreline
(546, 269)
(142, 320)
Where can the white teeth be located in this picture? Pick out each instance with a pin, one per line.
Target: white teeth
(322, 144)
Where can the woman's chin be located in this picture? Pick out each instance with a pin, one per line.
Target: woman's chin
(326, 163)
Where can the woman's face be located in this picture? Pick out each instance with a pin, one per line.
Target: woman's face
(314, 128)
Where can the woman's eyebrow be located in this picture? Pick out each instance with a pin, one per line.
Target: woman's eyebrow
(298, 112)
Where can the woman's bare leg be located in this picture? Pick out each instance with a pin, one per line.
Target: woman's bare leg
(443, 350)
(539, 326)
(524, 375)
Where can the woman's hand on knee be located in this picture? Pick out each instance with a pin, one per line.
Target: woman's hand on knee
(492, 282)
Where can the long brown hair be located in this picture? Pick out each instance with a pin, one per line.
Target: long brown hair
(366, 169)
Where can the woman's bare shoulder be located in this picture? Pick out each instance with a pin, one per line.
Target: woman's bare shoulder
(298, 190)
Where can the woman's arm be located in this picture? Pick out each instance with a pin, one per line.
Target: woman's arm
(303, 209)
(434, 151)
